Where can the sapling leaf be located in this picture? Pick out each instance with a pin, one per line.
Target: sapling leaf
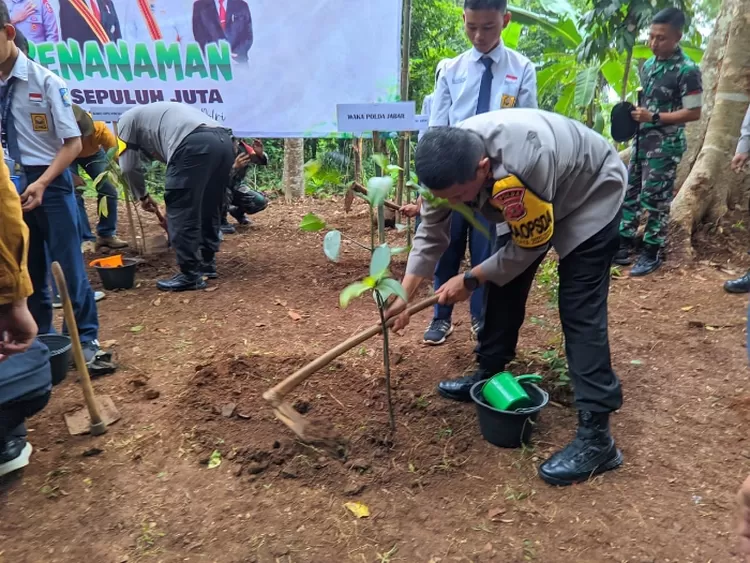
(400, 250)
(392, 286)
(414, 179)
(311, 168)
(384, 293)
(381, 160)
(378, 189)
(352, 292)
(311, 223)
(469, 215)
(400, 227)
(381, 259)
(370, 282)
(332, 245)
(111, 153)
(393, 168)
(103, 210)
(98, 180)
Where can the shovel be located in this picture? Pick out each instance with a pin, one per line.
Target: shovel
(100, 411)
(286, 413)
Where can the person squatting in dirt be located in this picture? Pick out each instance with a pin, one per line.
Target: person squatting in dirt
(25, 376)
(672, 97)
(239, 199)
(546, 181)
(199, 154)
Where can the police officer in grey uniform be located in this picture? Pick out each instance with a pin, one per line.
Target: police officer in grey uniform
(40, 134)
(199, 156)
(35, 19)
(551, 182)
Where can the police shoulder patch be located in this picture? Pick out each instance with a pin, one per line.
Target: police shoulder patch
(530, 218)
(65, 96)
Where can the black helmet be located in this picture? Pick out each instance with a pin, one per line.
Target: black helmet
(623, 127)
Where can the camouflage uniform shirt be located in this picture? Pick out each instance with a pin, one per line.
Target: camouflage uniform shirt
(668, 85)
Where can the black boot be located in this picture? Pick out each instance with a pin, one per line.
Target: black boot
(182, 282)
(740, 285)
(208, 270)
(624, 256)
(592, 452)
(648, 262)
(459, 389)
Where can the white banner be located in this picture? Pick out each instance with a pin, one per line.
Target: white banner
(264, 68)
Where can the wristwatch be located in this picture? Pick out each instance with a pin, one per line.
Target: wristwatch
(471, 282)
(655, 118)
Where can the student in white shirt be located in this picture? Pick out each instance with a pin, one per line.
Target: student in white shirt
(485, 78)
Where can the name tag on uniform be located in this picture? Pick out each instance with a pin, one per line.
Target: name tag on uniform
(39, 122)
(530, 218)
(35, 97)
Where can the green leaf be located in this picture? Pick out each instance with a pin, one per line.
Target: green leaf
(413, 179)
(394, 286)
(311, 223)
(332, 245)
(381, 259)
(400, 250)
(214, 460)
(565, 101)
(311, 168)
(103, 210)
(378, 189)
(137, 328)
(564, 28)
(598, 122)
(642, 52)
(100, 178)
(380, 160)
(393, 168)
(695, 53)
(511, 35)
(585, 89)
(614, 73)
(111, 153)
(352, 292)
(469, 215)
(400, 227)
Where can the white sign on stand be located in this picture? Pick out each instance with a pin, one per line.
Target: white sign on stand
(360, 118)
(421, 122)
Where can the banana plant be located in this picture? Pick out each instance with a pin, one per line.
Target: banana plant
(382, 287)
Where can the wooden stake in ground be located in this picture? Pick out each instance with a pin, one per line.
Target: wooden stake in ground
(131, 221)
(403, 143)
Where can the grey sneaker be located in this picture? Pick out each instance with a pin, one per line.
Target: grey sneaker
(57, 302)
(14, 455)
(437, 332)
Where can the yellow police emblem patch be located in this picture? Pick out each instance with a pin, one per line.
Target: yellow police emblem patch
(508, 101)
(530, 218)
(39, 122)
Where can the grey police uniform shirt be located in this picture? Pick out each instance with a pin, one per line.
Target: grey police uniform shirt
(158, 129)
(41, 25)
(743, 145)
(556, 182)
(42, 112)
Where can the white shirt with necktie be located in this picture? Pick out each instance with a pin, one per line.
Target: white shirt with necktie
(457, 92)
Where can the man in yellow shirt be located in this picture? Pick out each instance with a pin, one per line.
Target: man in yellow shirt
(97, 139)
(25, 378)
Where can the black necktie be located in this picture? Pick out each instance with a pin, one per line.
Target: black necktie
(485, 88)
(8, 135)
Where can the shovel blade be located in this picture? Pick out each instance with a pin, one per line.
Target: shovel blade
(79, 422)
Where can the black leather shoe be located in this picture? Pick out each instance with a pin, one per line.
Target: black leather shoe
(648, 262)
(740, 285)
(592, 452)
(459, 389)
(182, 282)
(208, 270)
(624, 256)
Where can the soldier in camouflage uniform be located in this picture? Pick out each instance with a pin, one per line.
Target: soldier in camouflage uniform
(239, 199)
(672, 95)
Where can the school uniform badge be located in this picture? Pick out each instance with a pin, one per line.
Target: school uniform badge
(508, 101)
(39, 122)
(65, 96)
(530, 218)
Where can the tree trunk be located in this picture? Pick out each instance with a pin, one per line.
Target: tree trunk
(704, 197)
(294, 176)
(710, 69)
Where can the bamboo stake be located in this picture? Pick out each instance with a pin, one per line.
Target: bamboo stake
(403, 143)
(131, 221)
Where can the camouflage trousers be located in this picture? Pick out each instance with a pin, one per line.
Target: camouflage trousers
(650, 189)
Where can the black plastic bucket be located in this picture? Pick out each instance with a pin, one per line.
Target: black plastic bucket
(59, 355)
(508, 429)
(122, 277)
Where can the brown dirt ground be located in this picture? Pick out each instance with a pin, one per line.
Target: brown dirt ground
(436, 491)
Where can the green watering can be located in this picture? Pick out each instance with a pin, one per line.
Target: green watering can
(504, 391)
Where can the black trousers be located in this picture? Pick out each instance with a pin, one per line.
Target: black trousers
(584, 287)
(14, 413)
(196, 176)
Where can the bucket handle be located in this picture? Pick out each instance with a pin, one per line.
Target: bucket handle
(534, 377)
